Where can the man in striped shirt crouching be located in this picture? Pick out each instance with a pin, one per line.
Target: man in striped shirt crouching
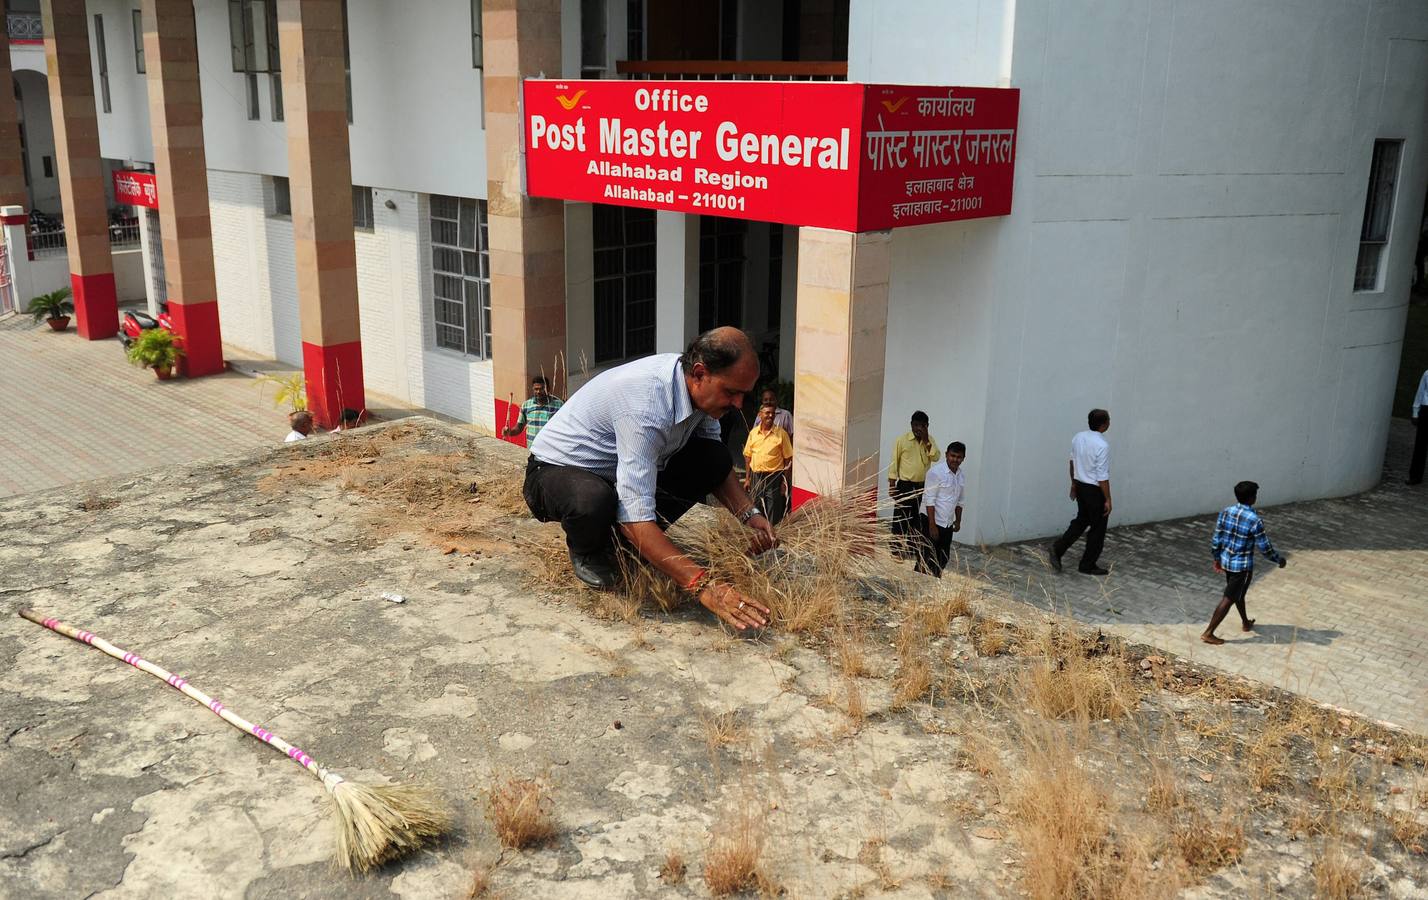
(635, 449)
(1238, 532)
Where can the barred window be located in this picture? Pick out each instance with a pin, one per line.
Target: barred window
(362, 208)
(461, 275)
(1378, 214)
(721, 271)
(624, 282)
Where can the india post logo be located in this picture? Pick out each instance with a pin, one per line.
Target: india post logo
(568, 103)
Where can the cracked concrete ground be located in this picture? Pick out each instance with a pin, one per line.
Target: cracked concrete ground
(266, 593)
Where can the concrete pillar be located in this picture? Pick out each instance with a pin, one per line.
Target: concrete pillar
(676, 280)
(81, 172)
(320, 185)
(16, 223)
(176, 120)
(841, 348)
(527, 236)
(12, 167)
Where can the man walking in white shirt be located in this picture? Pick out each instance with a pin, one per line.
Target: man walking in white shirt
(943, 494)
(1420, 432)
(1090, 469)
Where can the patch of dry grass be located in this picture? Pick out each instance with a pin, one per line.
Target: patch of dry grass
(1337, 874)
(673, 869)
(1410, 831)
(1063, 816)
(520, 811)
(990, 637)
(1207, 844)
(1064, 681)
(913, 681)
(722, 729)
(734, 860)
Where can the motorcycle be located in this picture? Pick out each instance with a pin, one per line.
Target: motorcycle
(136, 322)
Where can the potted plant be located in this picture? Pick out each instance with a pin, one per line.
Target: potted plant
(53, 308)
(156, 349)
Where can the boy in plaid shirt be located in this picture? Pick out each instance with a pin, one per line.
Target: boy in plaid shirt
(1238, 532)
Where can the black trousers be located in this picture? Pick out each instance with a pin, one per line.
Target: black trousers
(1090, 514)
(1420, 447)
(936, 553)
(907, 503)
(585, 504)
(770, 494)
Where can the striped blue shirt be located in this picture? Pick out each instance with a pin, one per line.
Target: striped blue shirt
(1238, 531)
(624, 425)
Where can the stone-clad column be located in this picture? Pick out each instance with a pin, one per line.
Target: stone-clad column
(320, 184)
(81, 172)
(840, 352)
(12, 167)
(176, 119)
(527, 236)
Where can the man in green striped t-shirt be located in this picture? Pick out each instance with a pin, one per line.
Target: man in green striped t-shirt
(536, 411)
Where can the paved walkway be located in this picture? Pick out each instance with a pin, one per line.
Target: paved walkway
(74, 410)
(1345, 623)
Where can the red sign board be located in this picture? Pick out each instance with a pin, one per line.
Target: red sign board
(136, 188)
(853, 157)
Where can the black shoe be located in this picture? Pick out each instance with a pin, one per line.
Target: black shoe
(1055, 558)
(595, 570)
(1094, 570)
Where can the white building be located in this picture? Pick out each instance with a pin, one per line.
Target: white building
(1187, 245)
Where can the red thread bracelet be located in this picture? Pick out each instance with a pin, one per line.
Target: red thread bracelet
(694, 583)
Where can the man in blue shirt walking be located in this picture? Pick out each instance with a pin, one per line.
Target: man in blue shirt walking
(1238, 532)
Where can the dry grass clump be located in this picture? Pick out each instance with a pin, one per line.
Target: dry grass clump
(520, 811)
(722, 729)
(480, 884)
(853, 706)
(94, 502)
(1267, 758)
(1163, 793)
(734, 861)
(990, 637)
(1063, 818)
(848, 651)
(1337, 875)
(1409, 831)
(913, 681)
(673, 869)
(1206, 845)
(1067, 682)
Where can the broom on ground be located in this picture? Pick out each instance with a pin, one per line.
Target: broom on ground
(375, 823)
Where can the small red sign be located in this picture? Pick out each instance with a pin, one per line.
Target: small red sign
(853, 157)
(136, 188)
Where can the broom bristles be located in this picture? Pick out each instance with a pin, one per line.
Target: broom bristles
(380, 823)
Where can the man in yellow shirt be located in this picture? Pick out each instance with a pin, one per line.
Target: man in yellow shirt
(768, 457)
(912, 454)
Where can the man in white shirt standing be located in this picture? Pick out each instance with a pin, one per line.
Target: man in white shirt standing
(1090, 469)
(1420, 433)
(944, 493)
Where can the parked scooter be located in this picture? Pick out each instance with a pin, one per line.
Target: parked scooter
(137, 321)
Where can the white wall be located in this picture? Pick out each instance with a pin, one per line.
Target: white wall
(258, 309)
(1189, 192)
(416, 98)
(39, 138)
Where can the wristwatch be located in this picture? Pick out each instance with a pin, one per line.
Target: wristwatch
(749, 513)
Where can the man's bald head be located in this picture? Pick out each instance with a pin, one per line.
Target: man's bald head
(718, 349)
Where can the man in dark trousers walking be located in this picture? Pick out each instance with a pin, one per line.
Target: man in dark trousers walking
(1090, 469)
(1238, 531)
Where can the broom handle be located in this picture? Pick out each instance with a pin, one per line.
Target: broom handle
(328, 778)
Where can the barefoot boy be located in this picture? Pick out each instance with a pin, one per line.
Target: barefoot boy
(1237, 532)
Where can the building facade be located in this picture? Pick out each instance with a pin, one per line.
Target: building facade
(1214, 217)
